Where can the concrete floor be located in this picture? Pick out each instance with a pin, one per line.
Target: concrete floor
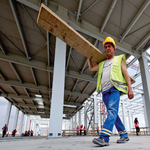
(71, 143)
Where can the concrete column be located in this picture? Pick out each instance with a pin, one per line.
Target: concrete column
(75, 120)
(7, 116)
(123, 114)
(27, 123)
(37, 128)
(16, 119)
(32, 124)
(72, 123)
(34, 128)
(80, 117)
(66, 128)
(56, 111)
(145, 114)
(21, 122)
(68, 124)
(129, 118)
(85, 115)
(146, 84)
(77, 117)
(30, 121)
(132, 124)
(34, 131)
(95, 108)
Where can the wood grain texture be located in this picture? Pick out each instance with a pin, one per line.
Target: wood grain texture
(51, 22)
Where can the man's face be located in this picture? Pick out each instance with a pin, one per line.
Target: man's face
(109, 49)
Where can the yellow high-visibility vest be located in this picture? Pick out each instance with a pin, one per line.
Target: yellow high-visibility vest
(116, 76)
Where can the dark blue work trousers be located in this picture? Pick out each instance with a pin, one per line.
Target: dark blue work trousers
(111, 99)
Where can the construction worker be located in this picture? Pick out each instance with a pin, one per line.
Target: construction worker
(81, 130)
(4, 129)
(14, 132)
(84, 130)
(31, 132)
(113, 80)
(26, 133)
(136, 123)
(77, 129)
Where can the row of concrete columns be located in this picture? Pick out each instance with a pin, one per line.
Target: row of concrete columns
(22, 127)
(74, 122)
(8, 112)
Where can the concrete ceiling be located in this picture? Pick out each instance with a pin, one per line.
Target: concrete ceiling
(27, 51)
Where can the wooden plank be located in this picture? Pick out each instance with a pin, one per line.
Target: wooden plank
(48, 20)
(51, 22)
(132, 80)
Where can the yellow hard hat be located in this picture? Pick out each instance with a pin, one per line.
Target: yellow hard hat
(109, 40)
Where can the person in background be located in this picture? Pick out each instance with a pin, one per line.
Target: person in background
(136, 123)
(14, 132)
(84, 130)
(4, 129)
(26, 133)
(77, 129)
(31, 132)
(81, 130)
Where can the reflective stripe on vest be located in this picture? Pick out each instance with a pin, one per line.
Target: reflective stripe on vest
(119, 84)
(116, 76)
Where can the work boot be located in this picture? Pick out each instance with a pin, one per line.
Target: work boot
(123, 140)
(100, 141)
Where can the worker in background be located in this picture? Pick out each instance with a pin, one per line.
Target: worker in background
(26, 133)
(113, 81)
(84, 130)
(136, 123)
(77, 129)
(4, 129)
(31, 132)
(81, 130)
(14, 132)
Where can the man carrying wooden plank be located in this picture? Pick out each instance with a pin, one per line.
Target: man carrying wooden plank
(113, 81)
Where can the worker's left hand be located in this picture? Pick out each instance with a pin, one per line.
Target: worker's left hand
(130, 94)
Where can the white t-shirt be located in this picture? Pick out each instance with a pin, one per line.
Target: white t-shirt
(106, 83)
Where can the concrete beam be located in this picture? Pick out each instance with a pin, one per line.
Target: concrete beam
(86, 28)
(36, 99)
(108, 14)
(134, 20)
(25, 85)
(42, 66)
(13, 7)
